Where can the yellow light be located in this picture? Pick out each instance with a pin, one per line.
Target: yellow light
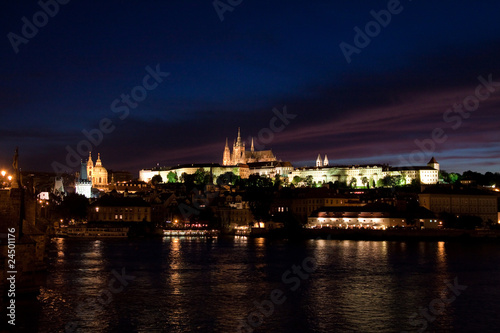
(3, 173)
(9, 178)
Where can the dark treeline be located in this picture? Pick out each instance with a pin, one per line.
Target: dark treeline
(487, 179)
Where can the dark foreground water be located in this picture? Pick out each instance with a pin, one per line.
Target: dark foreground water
(239, 284)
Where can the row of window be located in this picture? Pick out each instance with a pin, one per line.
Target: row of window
(462, 209)
(324, 201)
(121, 210)
(119, 217)
(341, 220)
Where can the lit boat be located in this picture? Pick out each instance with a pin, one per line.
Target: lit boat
(93, 232)
(190, 232)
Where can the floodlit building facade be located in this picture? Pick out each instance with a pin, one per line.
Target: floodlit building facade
(214, 169)
(97, 173)
(371, 216)
(270, 169)
(367, 175)
(426, 175)
(357, 175)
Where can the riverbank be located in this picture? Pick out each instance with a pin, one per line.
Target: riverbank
(391, 234)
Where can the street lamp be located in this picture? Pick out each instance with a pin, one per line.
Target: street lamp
(3, 173)
(9, 178)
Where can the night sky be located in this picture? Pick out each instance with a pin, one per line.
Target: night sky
(263, 56)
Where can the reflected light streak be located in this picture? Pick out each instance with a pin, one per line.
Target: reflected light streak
(441, 258)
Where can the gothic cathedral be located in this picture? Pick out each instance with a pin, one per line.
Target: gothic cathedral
(241, 156)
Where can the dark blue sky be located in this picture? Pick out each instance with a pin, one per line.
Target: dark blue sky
(233, 73)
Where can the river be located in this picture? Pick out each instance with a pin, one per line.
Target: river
(240, 284)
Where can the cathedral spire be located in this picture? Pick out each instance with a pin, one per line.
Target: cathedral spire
(251, 148)
(226, 157)
(238, 140)
(90, 163)
(318, 161)
(325, 162)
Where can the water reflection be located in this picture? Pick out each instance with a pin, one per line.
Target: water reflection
(175, 260)
(351, 280)
(382, 282)
(195, 284)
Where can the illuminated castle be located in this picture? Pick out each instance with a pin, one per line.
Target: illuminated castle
(242, 156)
(368, 175)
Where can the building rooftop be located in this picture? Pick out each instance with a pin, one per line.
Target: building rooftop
(190, 165)
(270, 164)
(373, 207)
(317, 193)
(112, 201)
(455, 190)
(416, 168)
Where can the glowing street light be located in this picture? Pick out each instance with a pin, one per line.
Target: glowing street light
(3, 173)
(9, 178)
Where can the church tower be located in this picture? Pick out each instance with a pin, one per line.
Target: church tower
(83, 184)
(90, 167)
(226, 157)
(98, 163)
(99, 174)
(318, 161)
(58, 186)
(238, 150)
(325, 162)
(433, 163)
(251, 148)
